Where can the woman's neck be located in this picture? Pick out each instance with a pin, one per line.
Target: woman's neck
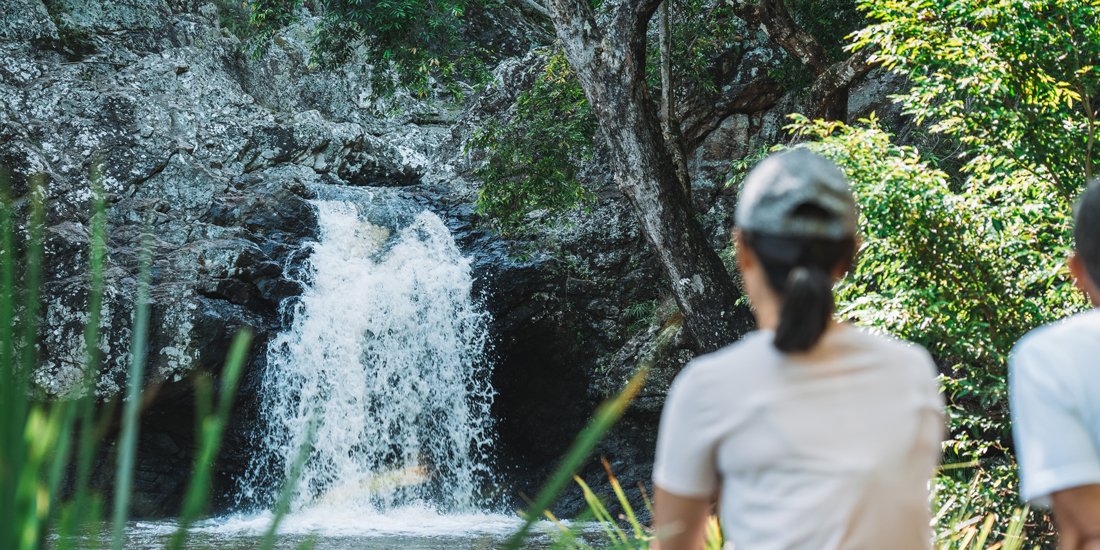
(767, 315)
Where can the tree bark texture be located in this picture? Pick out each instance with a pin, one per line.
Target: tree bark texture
(609, 59)
(782, 28)
(669, 120)
(829, 93)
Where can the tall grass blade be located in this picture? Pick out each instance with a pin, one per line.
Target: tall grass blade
(9, 426)
(29, 509)
(282, 506)
(1014, 536)
(213, 429)
(80, 514)
(983, 535)
(714, 539)
(66, 412)
(606, 416)
(127, 451)
(639, 533)
(614, 534)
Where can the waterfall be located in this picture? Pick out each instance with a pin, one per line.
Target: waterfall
(384, 362)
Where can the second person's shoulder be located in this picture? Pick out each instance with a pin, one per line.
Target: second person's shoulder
(1072, 330)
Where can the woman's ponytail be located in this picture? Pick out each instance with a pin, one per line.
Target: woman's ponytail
(801, 271)
(806, 310)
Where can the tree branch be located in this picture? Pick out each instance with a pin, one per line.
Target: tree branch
(670, 121)
(535, 7)
(829, 93)
(782, 28)
(630, 18)
(576, 27)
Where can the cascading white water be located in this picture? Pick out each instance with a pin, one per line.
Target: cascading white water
(385, 357)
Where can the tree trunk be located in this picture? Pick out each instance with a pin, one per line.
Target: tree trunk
(610, 64)
(669, 120)
(829, 93)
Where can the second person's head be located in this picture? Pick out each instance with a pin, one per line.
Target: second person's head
(1085, 263)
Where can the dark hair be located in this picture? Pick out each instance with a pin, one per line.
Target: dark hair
(1086, 230)
(800, 270)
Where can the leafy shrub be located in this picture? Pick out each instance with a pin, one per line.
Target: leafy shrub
(1015, 82)
(701, 32)
(978, 253)
(421, 39)
(533, 159)
(235, 16)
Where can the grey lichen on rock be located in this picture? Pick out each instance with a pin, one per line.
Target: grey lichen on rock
(113, 16)
(25, 20)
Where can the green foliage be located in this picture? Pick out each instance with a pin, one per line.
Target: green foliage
(534, 156)
(640, 315)
(211, 424)
(959, 525)
(1015, 82)
(829, 22)
(964, 273)
(127, 453)
(235, 16)
(701, 31)
(966, 517)
(615, 531)
(532, 159)
(422, 39)
(739, 168)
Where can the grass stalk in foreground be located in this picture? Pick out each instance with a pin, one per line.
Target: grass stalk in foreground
(38, 432)
(605, 418)
(282, 507)
(211, 431)
(127, 452)
(75, 516)
(10, 442)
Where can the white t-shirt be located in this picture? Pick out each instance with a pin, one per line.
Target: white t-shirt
(1054, 389)
(829, 449)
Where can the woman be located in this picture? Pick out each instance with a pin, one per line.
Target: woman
(810, 433)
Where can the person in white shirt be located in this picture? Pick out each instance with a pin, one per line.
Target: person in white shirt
(1054, 393)
(810, 433)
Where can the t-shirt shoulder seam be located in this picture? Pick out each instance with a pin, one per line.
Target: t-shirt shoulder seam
(1062, 328)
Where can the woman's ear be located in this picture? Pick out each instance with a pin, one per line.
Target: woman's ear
(745, 257)
(844, 268)
(1082, 279)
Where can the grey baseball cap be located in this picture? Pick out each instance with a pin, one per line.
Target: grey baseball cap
(797, 193)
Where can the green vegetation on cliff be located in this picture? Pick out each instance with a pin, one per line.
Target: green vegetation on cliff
(423, 39)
